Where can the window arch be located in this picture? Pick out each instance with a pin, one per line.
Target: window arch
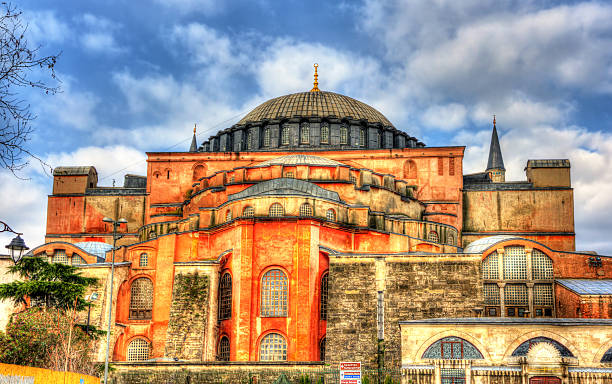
(141, 299)
(266, 137)
(228, 215)
(410, 169)
(323, 304)
(343, 134)
(330, 215)
(433, 236)
(324, 133)
(362, 137)
(199, 171)
(143, 260)
(305, 209)
(138, 350)
(452, 348)
(523, 349)
(304, 133)
(450, 239)
(248, 211)
(273, 347)
(274, 293)
(276, 210)
(249, 139)
(285, 135)
(223, 350)
(225, 297)
(322, 349)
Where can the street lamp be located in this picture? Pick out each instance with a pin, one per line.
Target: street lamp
(116, 223)
(16, 247)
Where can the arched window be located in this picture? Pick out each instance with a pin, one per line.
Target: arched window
(223, 351)
(225, 297)
(305, 209)
(198, 172)
(138, 350)
(274, 292)
(141, 299)
(362, 137)
(330, 215)
(410, 169)
(285, 135)
(144, 260)
(76, 260)
(452, 348)
(324, 133)
(273, 347)
(324, 279)
(228, 215)
(515, 263)
(343, 134)
(276, 210)
(607, 357)
(305, 133)
(433, 236)
(266, 138)
(523, 349)
(450, 239)
(248, 211)
(322, 350)
(490, 267)
(542, 265)
(59, 256)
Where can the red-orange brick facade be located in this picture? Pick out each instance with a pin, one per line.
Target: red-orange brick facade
(284, 218)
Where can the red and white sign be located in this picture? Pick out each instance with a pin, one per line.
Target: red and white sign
(350, 373)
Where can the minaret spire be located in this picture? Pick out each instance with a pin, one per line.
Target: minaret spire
(194, 141)
(495, 165)
(316, 80)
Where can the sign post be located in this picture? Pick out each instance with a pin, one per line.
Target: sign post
(350, 373)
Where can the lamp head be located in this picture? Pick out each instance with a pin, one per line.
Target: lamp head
(107, 220)
(17, 246)
(122, 221)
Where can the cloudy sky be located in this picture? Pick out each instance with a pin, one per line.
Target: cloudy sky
(136, 76)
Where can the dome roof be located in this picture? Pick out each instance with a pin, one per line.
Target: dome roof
(300, 159)
(319, 104)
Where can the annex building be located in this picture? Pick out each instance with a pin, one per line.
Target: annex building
(314, 230)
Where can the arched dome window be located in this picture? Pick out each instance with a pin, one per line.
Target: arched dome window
(248, 211)
(276, 210)
(141, 299)
(273, 347)
(362, 137)
(274, 293)
(433, 236)
(138, 350)
(285, 135)
(223, 350)
(452, 348)
(324, 133)
(304, 133)
(266, 137)
(249, 139)
(330, 215)
(225, 297)
(305, 209)
(343, 134)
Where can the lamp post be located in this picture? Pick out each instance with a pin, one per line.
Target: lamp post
(116, 223)
(17, 245)
(90, 298)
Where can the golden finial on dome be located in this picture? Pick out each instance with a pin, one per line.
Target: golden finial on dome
(316, 82)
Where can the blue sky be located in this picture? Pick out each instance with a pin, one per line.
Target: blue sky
(137, 75)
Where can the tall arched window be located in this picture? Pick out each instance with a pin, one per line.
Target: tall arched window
(276, 210)
(343, 134)
(141, 299)
(324, 133)
(225, 297)
(285, 135)
(274, 292)
(138, 350)
(452, 348)
(198, 172)
(248, 211)
(223, 351)
(322, 349)
(362, 137)
(266, 137)
(144, 260)
(330, 215)
(249, 139)
(273, 347)
(450, 239)
(305, 133)
(324, 279)
(305, 209)
(433, 236)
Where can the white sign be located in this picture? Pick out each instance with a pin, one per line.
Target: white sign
(350, 373)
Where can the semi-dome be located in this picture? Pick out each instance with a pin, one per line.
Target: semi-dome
(315, 104)
(300, 159)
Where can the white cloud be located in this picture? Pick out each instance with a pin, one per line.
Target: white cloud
(206, 7)
(98, 36)
(445, 117)
(45, 27)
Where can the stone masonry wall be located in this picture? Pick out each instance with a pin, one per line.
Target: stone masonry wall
(188, 317)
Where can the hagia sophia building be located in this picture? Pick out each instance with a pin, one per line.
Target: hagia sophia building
(313, 231)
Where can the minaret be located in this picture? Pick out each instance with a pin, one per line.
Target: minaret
(495, 165)
(194, 142)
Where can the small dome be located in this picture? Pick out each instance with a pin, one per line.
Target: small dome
(300, 159)
(97, 248)
(315, 104)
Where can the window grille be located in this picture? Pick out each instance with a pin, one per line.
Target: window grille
(144, 260)
(60, 257)
(305, 209)
(515, 294)
(451, 166)
(353, 179)
(305, 133)
(273, 347)
(515, 263)
(452, 348)
(249, 139)
(138, 350)
(452, 376)
(324, 296)
(225, 297)
(330, 215)
(276, 210)
(433, 236)
(491, 294)
(523, 349)
(543, 294)
(450, 239)
(141, 299)
(440, 166)
(362, 137)
(322, 350)
(248, 211)
(76, 260)
(266, 138)
(228, 215)
(324, 133)
(274, 289)
(285, 135)
(490, 267)
(224, 349)
(541, 265)
(343, 134)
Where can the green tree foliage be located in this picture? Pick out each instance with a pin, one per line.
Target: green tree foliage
(49, 285)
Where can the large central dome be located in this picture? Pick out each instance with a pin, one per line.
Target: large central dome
(315, 104)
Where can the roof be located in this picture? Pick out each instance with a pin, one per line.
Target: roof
(495, 156)
(73, 171)
(94, 247)
(548, 163)
(321, 104)
(485, 243)
(285, 186)
(300, 159)
(587, 287)
(572, 322)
